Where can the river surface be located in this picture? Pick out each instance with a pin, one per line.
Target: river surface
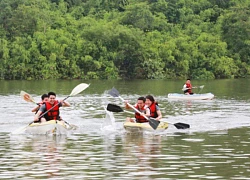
(215, 147)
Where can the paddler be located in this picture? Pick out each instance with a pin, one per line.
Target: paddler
(50, 108)
(44, 98)
(142, 108)
(152, 105)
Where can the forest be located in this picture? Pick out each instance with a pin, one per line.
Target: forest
(124, 39)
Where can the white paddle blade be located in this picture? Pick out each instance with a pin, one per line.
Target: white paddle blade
(27, 97)
(79, 88)
(202, 86)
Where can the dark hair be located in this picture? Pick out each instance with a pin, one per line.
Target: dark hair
(51, 93)
(189, 79)
(44, 96)
(142, 98)
(151, 98)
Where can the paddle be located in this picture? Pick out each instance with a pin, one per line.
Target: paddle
(152, 122)
(27, 97)
(201, 87)
(79, 88)
(116, 108)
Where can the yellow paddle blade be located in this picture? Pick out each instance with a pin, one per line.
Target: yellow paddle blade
(79, 88)
(27, 97)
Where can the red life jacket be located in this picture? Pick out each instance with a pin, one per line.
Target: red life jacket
(139, 118)
(153, 111)
(53, 113)
(189, 86)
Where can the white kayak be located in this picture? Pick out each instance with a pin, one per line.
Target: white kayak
(205, 96)
(50, 127)
(130, 126)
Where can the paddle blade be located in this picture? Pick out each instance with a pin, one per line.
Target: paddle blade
(153, 123)
(27, 97)
(79, 88)
(114, 92)
(114, 108)
(181, 125)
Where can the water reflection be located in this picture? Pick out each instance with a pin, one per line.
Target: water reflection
(215, 147)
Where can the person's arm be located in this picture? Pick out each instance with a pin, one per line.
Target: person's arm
(64, 103)
(185, 87)
(158, 113)
(127, 106)
(35, 109)
(147, 112)
(40, 111)
(36, 118)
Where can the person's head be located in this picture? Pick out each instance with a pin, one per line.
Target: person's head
(149, 100)
(141, 102)
(45, 97)
(52, 97)
(188, 81)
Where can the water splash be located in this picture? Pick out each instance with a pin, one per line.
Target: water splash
(109, 124)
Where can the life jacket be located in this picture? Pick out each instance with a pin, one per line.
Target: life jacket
(189, 86)
(53, 114)
(138, 117)
(153, 111)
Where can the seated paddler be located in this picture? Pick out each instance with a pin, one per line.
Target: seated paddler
(50, 109)
(142, 108)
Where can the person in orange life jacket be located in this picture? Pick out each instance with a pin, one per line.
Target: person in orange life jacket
(44, 98)
(187, 88)
(140, 105)
(53, 114)
(152, 105)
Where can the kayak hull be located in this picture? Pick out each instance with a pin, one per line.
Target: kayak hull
(206, 96)
(135, 127)
(49, 127)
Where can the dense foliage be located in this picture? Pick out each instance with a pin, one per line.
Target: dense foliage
(104, 39)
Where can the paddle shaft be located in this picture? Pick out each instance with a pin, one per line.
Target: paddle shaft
(51, 108)
(182, 125)
(135, 109)
(116, 108)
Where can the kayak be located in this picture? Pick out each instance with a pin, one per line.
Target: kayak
(206, 96)
(50, 127)
(130, 126)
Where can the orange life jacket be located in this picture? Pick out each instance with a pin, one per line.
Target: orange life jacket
(153, 111)
(139, 118)
(53, 113)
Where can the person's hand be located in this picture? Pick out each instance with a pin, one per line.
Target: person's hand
(35, 118)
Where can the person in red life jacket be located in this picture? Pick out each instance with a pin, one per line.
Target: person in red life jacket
(152, 105)
(140, 106)
(187, 88)
(52, 106)
(44, 98)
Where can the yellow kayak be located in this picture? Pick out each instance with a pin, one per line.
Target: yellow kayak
(49, 127)
(144, 126)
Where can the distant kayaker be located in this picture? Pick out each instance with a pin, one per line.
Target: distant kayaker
(44, 98)
(141, 107)
(152, 105)
(50, 108)
(187, 88)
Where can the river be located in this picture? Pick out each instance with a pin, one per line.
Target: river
(215, 146)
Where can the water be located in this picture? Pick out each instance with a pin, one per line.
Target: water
(215, 147)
